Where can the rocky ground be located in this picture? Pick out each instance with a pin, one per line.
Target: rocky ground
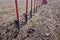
(44, 25)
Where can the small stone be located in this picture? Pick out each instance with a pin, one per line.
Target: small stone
(7, 30)
(31, 31)
(47, 34)
(56, 26)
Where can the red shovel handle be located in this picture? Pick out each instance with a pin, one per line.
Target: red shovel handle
(31, 4)
(34, 3)
(26, 6)
(17, 14)
(44, 1)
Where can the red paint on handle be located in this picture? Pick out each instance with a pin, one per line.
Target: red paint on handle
(44, 1)
(34, 3)
(37, 2)
(31, 4)
(26, 6)
(17, 14)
